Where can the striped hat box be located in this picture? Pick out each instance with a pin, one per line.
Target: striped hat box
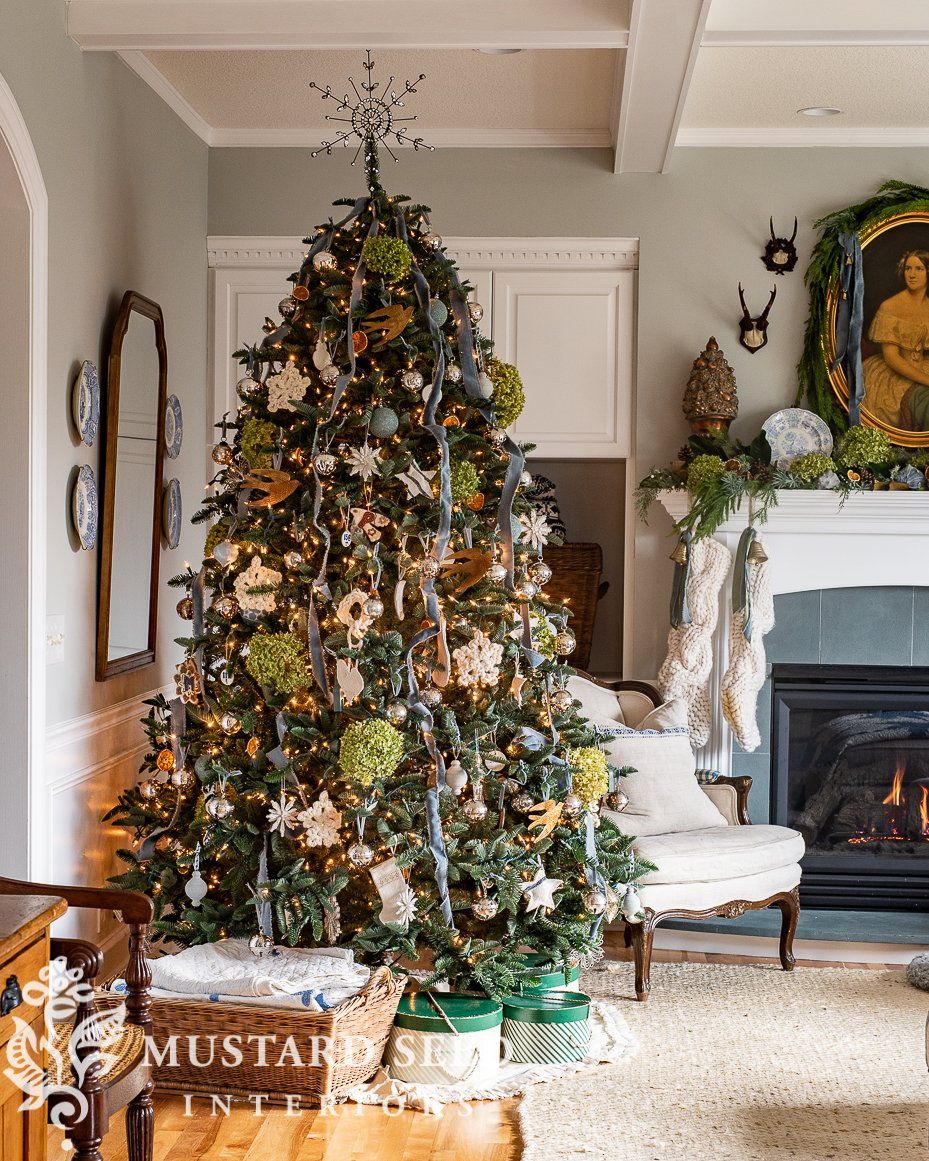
(445, 1038)
(546, 1028)
(550, 977)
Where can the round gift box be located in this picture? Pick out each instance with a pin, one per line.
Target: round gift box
(445, 1038)
(547, 1028)
(550, 980)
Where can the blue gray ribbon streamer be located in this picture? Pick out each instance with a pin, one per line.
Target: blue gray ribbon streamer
(849, 322)
(277, 757)
(178, 712)
(741, 592)
(680, 610)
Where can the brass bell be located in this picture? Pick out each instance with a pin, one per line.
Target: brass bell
(756, 553)
(679, 555)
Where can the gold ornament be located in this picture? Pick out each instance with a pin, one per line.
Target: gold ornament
(465, 568)
(756, 553)
(546, 816)
(389, 322)
(276, 485)
(165, 760)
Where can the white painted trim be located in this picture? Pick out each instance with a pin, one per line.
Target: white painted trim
(475, 253)
(471, 138)
(332, 24)
(824, 38)
(143, 68)
(798, 137)
(73, 748)
(818, 950)
(15, 133)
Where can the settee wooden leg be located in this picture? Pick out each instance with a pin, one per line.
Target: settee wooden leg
(140, 1125)
(789, 904)
(642, 954)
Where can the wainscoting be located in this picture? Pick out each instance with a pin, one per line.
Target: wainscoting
(89, 760)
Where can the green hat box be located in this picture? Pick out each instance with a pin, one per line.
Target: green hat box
(551, 979)
(546, 1028)
(445, 1038)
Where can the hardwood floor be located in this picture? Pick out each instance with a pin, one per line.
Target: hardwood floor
(490, 1132)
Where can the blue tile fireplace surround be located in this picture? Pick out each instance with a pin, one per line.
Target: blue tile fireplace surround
(883, 626)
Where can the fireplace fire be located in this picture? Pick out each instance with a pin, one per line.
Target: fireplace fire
(850, 771)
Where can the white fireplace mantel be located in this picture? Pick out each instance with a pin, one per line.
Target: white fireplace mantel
(815, 541)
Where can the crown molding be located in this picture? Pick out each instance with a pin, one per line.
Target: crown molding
(790, 137)
(472, 253)
(143, 68)
(470, 138)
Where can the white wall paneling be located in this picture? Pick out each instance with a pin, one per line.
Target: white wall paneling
(88, 761)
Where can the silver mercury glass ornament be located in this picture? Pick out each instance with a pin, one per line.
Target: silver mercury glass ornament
(485, 907)
(260, 945)
(287, 307)
(329, 374)
(540, 572)
(324, 464)
(431, 697)
(595, 901)
(565, 643)
(475, 312)
(496, 436)
(453, 373)
(561, 701)
(412, 380)
(396, 713)
(496, 574)
(431, 240)
(324, 260)
(360, 855)
(374, 606)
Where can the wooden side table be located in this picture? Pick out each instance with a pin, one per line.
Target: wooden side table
(24, 951)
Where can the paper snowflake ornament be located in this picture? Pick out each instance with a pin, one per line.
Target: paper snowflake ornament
(321, 822)
(286, 385)
(478, 662)
(256, 576)
(364, 462)
(541, 891)
(404, 908)
(535, 530)
(282, 815)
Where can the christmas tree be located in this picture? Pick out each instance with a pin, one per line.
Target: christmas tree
(373, 744)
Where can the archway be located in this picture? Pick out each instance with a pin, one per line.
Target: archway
(23, 397)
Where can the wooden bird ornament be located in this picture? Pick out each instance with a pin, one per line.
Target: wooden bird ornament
(465, 568)
(276, 485)
(546, 816)
(389, 322)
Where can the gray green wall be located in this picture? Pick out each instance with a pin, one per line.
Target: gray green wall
(127, 191)
(702, 228)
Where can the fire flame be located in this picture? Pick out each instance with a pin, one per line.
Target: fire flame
(895, 797)
(924, 810)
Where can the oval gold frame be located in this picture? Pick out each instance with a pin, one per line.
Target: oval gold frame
(837, 378)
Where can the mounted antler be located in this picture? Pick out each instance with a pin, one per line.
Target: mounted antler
(780, 254)
(753, 330)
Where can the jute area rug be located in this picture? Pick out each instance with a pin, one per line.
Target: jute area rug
(747, 1064)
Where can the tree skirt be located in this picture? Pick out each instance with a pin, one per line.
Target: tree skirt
(747, 1064)
(610, 1043)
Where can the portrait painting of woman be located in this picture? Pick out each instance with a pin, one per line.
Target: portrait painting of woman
(896, 375)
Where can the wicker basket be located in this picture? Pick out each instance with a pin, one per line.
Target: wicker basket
(576, 571)
(337, 1049)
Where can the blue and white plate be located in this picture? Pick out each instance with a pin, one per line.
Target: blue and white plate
(796, 432)
(171, 513)
(174, 427)
(84, 507)
(85, 403)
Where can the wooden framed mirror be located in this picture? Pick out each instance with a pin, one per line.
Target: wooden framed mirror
(130, 547)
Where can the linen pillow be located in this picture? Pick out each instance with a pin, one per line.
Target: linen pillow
(596, 701)
(664, 795)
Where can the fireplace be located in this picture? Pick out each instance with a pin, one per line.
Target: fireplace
(850, 770)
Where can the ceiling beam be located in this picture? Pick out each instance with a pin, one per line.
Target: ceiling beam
(126, 25)
(664, 39)
(798, 23)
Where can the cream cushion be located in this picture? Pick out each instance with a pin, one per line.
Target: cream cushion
(719, 853)
(663, 792)
(594, 699)
(708, 896)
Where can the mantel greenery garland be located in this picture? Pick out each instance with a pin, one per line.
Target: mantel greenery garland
(893, 198)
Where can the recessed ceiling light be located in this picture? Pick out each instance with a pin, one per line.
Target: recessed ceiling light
(819, 111)
(498, 51)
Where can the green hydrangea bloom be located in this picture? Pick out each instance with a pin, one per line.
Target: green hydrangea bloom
(216, 535)
(704, 471)
(256, 437)
(543, 639)
(919, 458)
(864, 445)
(509, 395)
(807, 469)
(387, 256)
(591, 776)
(465, 480)
(370, 749)
(278, 660)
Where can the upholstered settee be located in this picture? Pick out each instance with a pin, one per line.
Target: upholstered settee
(709, 859)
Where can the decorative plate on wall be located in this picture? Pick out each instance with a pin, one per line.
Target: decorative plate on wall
(84, 507)
(796, 432)
(85, 403)
(174, 427)
(171, 514)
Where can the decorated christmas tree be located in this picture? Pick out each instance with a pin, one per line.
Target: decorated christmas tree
(372, 743)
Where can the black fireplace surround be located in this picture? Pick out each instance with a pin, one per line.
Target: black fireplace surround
(850, 770)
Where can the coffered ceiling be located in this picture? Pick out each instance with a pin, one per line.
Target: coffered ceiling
(638, 76)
